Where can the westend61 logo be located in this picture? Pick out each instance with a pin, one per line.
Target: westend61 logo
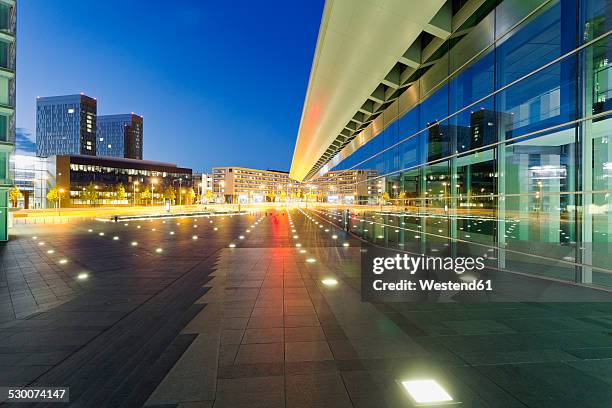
(391, 276)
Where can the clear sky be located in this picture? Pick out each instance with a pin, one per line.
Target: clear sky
(219, 82)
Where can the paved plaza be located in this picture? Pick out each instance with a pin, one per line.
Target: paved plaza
(231, 311)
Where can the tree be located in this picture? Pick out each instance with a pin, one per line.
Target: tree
(53, 195)
(15, 195)
(120, 192)
(146, 194)
(90, 193)
(169, 193)
(402, 196)
(209, 196)
(300, 194)
(190, 195)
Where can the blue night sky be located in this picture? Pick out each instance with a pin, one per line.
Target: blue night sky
(218, 82)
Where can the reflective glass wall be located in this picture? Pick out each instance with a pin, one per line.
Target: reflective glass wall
(506, 151)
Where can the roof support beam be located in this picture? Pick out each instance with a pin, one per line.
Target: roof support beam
(412, 56)
(441, 24)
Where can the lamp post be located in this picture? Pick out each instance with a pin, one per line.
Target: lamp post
(153, 182)
(180, 180)
(134, 193)
(59, 202)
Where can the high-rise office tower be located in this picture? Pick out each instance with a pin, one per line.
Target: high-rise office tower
(66, 125)
(119, 136)
(7, 106)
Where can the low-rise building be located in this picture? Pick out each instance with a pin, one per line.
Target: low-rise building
(245, 185)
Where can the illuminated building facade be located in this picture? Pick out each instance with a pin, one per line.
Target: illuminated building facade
(487, 122)
(8, 31)
(244, 185)
(77, 175)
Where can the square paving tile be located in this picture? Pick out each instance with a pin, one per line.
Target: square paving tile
(307, 351)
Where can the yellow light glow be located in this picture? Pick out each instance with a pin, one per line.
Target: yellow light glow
(346, 244)
(50, 251)
(232, 245)
(311, 260)
(82, 276)
(159, 250)
(334, 236)
(194, 237)
(329, 282)
(134, 243)
(302, 251)
(63, 261)
(215, 229)
(426, 391)
(298, 245)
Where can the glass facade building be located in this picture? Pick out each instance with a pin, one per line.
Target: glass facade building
(66, 125)
(497, 143)
(119, 136)
(8, 22)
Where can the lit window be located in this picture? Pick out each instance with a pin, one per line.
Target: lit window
(110, 146)
(70, 110)
(101, 139)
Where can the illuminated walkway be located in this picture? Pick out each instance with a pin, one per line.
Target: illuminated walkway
(264, 311)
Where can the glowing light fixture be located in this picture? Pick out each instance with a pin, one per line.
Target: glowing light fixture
(232, 245)
(115, 238)
(346, 244)
(101, 234)
(82, 276)
(134, 243)
(194, 237)
(329, 282)
(159, 250)
(63, 261)
(425, 391)
(311, 260)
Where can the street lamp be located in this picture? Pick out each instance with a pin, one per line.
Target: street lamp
(134, 193)
(180, 180)
(59, 202)
(153, 182)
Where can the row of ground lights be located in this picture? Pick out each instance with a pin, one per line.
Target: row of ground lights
(247, 231)
(420, 391)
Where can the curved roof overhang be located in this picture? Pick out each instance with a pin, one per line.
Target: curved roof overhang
(353, 74)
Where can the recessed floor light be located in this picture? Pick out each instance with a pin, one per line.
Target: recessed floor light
(90, 230)
(425, 391)
(171, 232)
(215, 228)
(302, 251)
(311, 260)
(298, 245)
(50, 251)
(158, 250)
(345, 244)
(334, 236)
(329, 282)
(232, 245)
(241, 237)
(41, 243)
(194, 237)
(101, 234)
(134, 243)
(115, 238)
(63, 261)
(82, 276)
